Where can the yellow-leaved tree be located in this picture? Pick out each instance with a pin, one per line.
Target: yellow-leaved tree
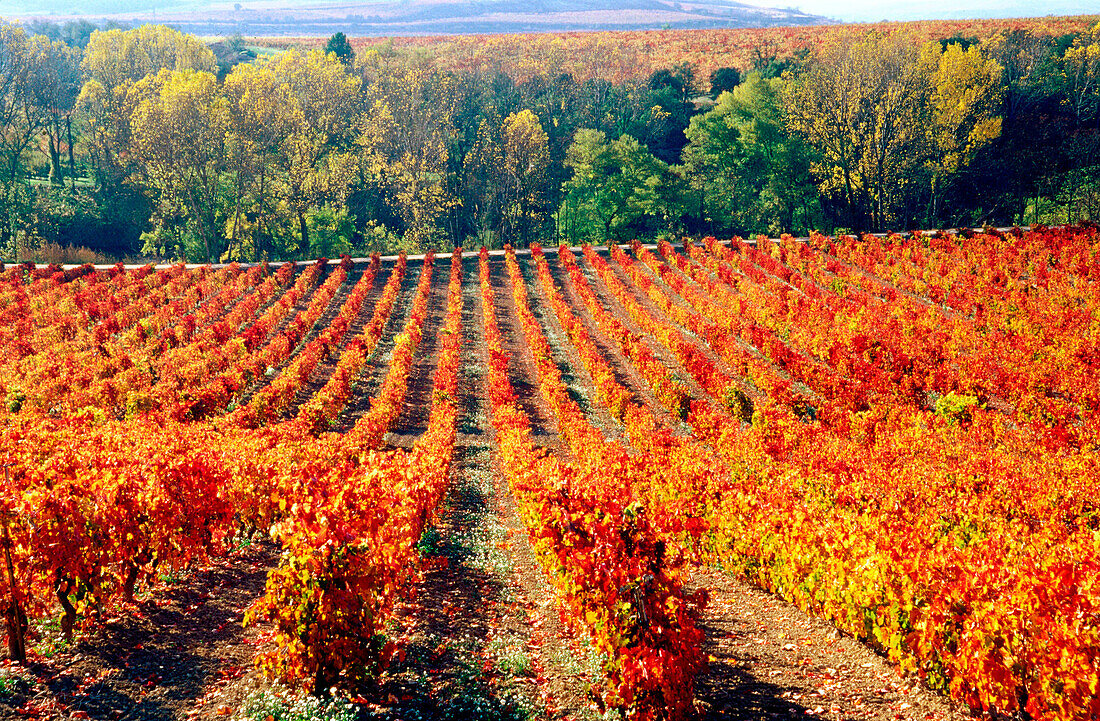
(859, 105)
(179, 127)
(405, 141)
(1081, 73)
(290, 152)
(114, 61)
(317, 161)
(526, 158)
(258, 103)
(966, 98)
(888, 118)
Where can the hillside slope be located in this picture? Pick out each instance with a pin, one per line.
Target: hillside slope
(428, 17)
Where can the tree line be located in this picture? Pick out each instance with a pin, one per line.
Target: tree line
(148, 141)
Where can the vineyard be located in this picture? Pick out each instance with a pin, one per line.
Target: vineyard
(635, 54)
(896, 434)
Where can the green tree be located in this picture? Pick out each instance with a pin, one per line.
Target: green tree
(747, 172)
(331, 230)
(714, 161)
(680, 79)
(614, 184)
(723, 79)
(338, 45)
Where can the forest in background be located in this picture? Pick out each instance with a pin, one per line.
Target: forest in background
(150, 142)
(633, 55)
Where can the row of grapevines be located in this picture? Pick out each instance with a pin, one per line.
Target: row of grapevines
(880, 529)
(1010, 297)
(88, 507)
(851, 386)
(939, 351)
(187, 367)
(386, 407)
(174, 365)
(873, 367)
(112, 372)
(349, 533)
(613, 565)
(272, 400)
(268, 341)
(680, 471)
(320, 411)
(668, 390)
(73, 307)
(27, 374)
(880, 535)
(725, 387)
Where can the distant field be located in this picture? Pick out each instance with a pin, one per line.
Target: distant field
(630, 54)
(321, 18)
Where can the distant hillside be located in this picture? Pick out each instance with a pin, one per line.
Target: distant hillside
(635, 54)
(419, 17)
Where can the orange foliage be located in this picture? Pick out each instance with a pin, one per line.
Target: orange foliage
(634, 55)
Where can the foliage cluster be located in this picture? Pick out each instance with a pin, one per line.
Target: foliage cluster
(147, 141)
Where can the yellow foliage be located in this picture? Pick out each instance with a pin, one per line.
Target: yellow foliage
(966, 95)
(883, 112)
(120, 57)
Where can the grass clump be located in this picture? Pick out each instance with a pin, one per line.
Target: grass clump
(281, 704)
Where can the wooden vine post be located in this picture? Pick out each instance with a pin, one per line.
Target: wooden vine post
(17, 620)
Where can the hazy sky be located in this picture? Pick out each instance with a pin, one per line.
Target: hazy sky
(872, 10)
(846, 10)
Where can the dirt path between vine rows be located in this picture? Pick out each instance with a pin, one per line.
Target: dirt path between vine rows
(179, 653)
(482, 636)
(769, 659)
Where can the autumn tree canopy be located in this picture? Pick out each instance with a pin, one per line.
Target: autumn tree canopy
(144, 141)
